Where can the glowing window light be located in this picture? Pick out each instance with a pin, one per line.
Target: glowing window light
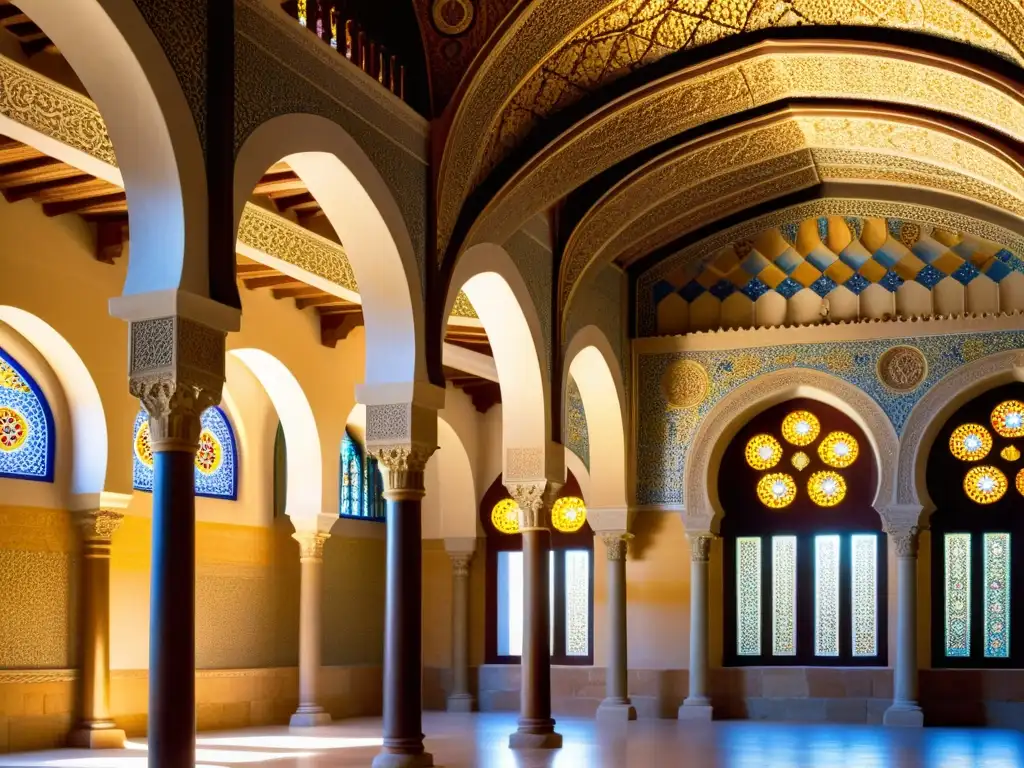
(801, 428)
(826, 488)
(763, 452)
(1010, 453)
(996, 562)
(985, 484)
(776, 490)
(505, 516)
(1008, 418)
(970, 442)
(958, 594)
(800, 460)
(568, 514)
(302, 12)
(1019, 482)
(839, 449)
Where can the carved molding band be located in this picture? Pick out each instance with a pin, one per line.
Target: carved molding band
(700, 547)
(405, 465)
(99, 525)
(311, 545)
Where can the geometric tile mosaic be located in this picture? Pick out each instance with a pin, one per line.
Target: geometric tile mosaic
(577, 439)
(664, 433)
(26, 425)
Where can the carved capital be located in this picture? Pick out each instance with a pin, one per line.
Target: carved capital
(404, 465)
(904, 541)
(700, 547)
(616, 544)
(534, 500)
(99, 525)
(311, 545)
(460, 563)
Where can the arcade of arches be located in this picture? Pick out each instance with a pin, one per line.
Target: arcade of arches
(594, 360)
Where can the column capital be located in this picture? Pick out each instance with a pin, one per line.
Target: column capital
(404, 466)
(99, 524)
(616, 543)
(311, 545)
(460, 562)
(904, 541)
(700, 545)
(534, 499)
(176, 370)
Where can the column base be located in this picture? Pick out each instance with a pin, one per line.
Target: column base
(461, 702)
(391, 760)
(309, 718)
(905, 715)
(523, 740)
(695, 709)
(97, 736)
(615, 710)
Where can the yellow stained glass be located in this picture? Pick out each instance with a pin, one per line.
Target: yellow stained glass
(970, 442)
(1020, 482)
(568, 514)
(801, 428)
(143, 446)
(838, 449)
(209, 454)
(763, 452)
(13, 429)
(826, 488)
(985, 484)
(776, 490)
(505, 516)
(1008, 418)
(1010, 453)
(800, 460)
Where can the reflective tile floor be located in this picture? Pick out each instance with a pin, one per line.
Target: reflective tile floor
(461, 741)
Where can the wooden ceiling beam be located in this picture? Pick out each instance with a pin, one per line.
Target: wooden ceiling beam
(103, 204)
(33, 169)
(269, 281)
(12, 151)
(300, 289)
(323, 300)
(274, 184)
(337, 326)
(77, 187)
(247, 270)
(111, 238)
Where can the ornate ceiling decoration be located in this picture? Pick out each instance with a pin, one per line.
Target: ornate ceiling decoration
(756, 76)
(556, 51)
(707, 179)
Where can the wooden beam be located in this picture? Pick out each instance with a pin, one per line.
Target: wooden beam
(274, 184)
(337, 327)
(295, 291)
(111, 237)
(254, 269)
(58, 190)
(323, 300)
(268, 281)
(12, 151)
(102, 204)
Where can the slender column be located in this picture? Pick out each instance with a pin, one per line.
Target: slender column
(536, 726)
(697, 705)
(616, 705)
(95, 728)
(311, 559)
(460, 699)
(905, 710)
(403, 694)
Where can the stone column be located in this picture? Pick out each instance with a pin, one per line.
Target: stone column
(905, 710)
(177, 372)
(460, 699)
(311, 559)
(403, 641)
(95, 729)
(616, 705)
(536, 726)
(697, 705)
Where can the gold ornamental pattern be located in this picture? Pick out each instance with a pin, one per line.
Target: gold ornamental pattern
(685, 384)
(902, 368)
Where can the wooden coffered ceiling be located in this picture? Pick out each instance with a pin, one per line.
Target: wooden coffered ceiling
(32, 38)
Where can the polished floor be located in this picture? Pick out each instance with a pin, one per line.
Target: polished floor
(461, 741)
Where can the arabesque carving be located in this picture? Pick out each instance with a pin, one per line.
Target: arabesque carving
(311, 544)
(99, 525)
(616, 544)
(405, 465)
(700, 547)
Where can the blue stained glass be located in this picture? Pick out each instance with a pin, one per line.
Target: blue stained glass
(27, 438)
(958, 594)
(997, 595)
(350, 496)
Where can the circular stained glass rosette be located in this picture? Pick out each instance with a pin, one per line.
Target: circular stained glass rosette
(13, 430)
(800, 460)
(838, 449)
(143, 446)
(1010, 453)
(984, 485)
(568, 514)
(970, 442)
(763, 452)
(505, 516)
(826, 489)
(210, 453)
(776, 490)
(1008, 418)
(801, 428)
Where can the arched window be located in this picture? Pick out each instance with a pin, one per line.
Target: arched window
(975, 477)
(216, 463)
(804, 557)
(26, 425)
(571, 596)
(361, 489)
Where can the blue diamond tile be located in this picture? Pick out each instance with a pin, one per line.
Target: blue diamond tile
(788, 287)
(722, 290)
(891, 281)
(856, 284)
(662, 288)
(789, 231)
(691, 290)
(929, 276)
(965, 273)
(823, 286)
(895, 227)
(996, 270)
(1004, 255)
(822, 228)
(856, 226)
(755, 289)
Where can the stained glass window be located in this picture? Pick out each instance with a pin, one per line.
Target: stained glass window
(783, 595)
(958, 594)
(216, 461)
(748, 596)
(997, 595)
(373, 503)
(577, 603)
(864, 591)
(350, 495)
(826, 595)
(26, 425)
